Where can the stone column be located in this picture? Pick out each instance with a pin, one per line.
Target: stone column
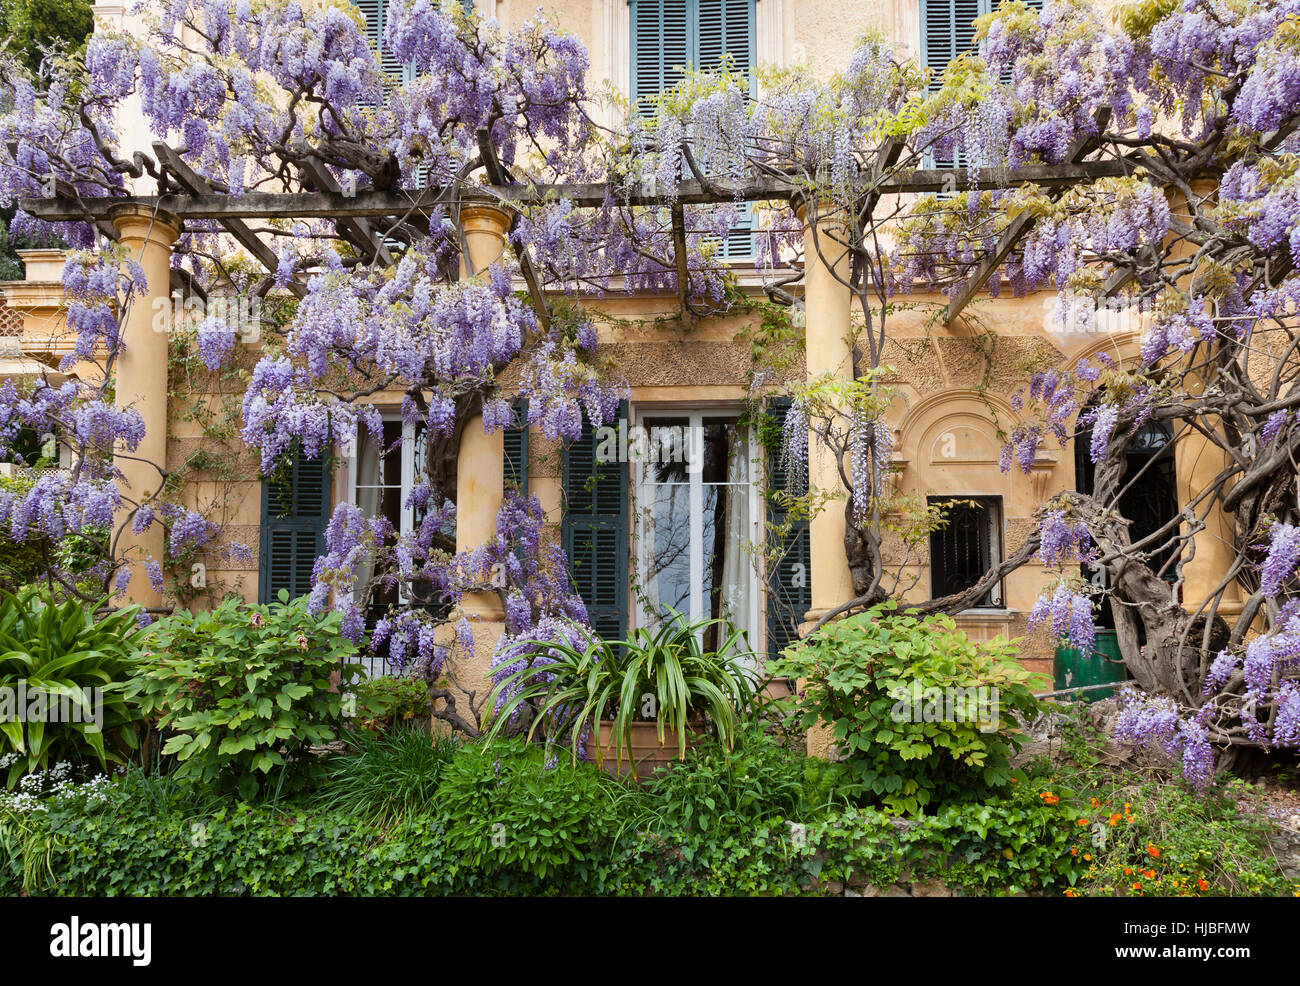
(827, 302)
(141, 379)
(480, 464)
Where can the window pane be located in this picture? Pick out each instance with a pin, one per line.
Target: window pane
(728, 572)
(666, 450)
(667, 532)
(966, 548)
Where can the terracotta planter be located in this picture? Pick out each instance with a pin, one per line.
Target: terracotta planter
(642, 753)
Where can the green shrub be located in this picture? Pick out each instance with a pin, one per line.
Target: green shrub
(513, 808)
(385, 702)
(716, 789)
(64, 653)
(244, 691)
(874, 679)
(386, 777)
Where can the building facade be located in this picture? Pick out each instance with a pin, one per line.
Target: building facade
(684, 523)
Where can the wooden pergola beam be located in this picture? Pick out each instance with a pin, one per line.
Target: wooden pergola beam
(198, 185)
(333, 205)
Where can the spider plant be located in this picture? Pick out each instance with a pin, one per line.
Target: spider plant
(571, 690)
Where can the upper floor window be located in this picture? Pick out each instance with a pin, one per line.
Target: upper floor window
(948, 30)
(669, 36)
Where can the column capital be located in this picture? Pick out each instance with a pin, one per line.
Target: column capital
(135, 221)
(485, 213)
(484, 222)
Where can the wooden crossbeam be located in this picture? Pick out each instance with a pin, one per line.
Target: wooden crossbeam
(333, 205)
(1019, 227)
(198, 185)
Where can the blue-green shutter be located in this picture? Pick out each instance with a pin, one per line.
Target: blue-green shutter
(947, 30)
(515, 441)
(595, 530)
(295, 512)
(789, 580)
(662, 32)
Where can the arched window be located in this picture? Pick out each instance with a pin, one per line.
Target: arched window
(1149, 503)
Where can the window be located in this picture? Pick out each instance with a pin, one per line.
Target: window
(381, 477)
(1148, 502)
(295, 510)
(964, 549)
(669, 35)
(948, 30)
(696, 520)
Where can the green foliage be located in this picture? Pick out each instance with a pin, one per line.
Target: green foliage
(571, 690)
(512, 808)
(158, 835)
(244, 691)
(875, 678)
(386, 702)
(33, 24)
(64, 653)
(386, 777)
(1147, 837)
(716, 790)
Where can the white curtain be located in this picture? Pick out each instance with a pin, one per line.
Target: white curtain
(737, 581)
(367, 486)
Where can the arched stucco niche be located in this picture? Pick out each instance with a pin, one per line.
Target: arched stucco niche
(951, 447)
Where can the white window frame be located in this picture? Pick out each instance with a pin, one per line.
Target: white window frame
(695, 414)
(407, 480)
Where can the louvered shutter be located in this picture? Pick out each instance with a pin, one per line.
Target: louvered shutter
(515, 441)
(789, 583)
(726, 27)
(295, 511)
(947, 30)
(661, 45)
(595, 530)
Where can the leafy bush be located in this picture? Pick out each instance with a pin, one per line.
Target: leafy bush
(246, 690)
(875, 678)
(64, 653)
(716, 789)
(512, 808)
(569, 689)
(385, 702)
(386, 777)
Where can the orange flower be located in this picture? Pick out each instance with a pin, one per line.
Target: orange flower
(1070, 892)
(1153, 850)
(1150, 874)
(1202, 885)
(1088, 856)
(1114, 820)
(1074, 852)
(1081, 822)
(1049, 798)
(1096, 803)
(1137, 886)
(1128, 871)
